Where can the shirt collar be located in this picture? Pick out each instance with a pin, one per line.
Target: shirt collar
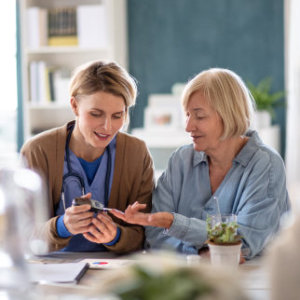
(243, 157)
(199, 156)
(250, 148)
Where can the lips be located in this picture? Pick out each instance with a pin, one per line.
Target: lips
(196, 137)
(102, 136)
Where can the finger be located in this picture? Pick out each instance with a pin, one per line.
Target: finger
(108, 222)
(119, 214)
(79, 225)
(84, 223)
(87, 196)
(76, 217)
(104, 215)
(135, 203)
(129, 207)
(79, 229)
(138, 206)
(90, 237)
(99, 236)
(79, 208)
(82, 230)
(242, 259)
(101, 226)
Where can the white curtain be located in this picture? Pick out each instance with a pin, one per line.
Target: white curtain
(292, 75)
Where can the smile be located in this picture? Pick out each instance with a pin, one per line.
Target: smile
(102, 136)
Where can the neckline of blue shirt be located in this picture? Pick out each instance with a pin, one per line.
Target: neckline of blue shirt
(243, 157)
(90, 167)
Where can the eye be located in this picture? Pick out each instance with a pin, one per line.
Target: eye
(118, 115)
(95, 114)
(200, 117)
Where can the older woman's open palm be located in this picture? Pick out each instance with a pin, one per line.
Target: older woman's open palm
(133, 215)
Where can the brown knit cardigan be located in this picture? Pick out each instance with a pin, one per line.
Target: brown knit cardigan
(133, 180)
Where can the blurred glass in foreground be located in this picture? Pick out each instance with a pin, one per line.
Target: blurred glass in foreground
(22, 215)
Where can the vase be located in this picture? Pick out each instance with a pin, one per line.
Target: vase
(226, 254)
(261, 119)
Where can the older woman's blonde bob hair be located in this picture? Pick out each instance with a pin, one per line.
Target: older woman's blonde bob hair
(226, 92)
(98, 76)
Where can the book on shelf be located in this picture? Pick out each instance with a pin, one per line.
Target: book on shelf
(82, 25)
(48, 83)
(61, 81)
(62, 27)
(33, 81)
(92, 26)
(38, 82)
(37, 23)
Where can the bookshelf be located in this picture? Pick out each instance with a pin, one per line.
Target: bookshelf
(82, 30)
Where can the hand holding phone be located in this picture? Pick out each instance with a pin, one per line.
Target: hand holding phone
(96, 206)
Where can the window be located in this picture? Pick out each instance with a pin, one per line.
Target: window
(8, 78)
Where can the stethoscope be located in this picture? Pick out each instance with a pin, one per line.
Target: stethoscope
(72, 173)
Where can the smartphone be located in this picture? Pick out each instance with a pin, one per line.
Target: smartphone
(96, 206)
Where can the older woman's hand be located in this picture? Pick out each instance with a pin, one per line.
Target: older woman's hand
(133, 215)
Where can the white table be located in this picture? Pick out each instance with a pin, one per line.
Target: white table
(255, 279)
(253, 276)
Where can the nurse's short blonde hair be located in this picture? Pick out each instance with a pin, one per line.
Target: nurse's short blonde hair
(226, 92)
(108, 77)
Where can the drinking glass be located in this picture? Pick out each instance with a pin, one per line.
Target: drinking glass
(22, 213)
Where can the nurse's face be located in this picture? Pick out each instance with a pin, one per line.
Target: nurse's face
(203, 123)
(99, 117)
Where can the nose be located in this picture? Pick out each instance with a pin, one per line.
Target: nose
(107, 123)
(189, 124)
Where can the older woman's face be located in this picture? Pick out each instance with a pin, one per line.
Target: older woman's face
(203, 123)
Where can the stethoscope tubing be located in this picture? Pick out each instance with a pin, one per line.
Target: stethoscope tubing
(72, 173)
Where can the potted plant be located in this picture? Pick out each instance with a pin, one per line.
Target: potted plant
(265, 102)
(223, 241)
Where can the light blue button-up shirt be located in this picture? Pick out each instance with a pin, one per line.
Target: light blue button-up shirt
(254, 189)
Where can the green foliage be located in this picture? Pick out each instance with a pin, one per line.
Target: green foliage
(265, 100)
(177, 284)
(222, 233)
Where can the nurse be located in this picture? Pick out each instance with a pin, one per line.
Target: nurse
(91, 157)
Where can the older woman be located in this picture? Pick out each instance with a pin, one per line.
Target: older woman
(91, 157)
(227, 161)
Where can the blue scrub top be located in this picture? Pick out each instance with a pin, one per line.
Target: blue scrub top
(73, 189)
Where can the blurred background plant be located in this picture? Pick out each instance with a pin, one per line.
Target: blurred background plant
(167, 276)
(264, 98)
(177, 284)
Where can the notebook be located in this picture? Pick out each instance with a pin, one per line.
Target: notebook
(57, 273)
